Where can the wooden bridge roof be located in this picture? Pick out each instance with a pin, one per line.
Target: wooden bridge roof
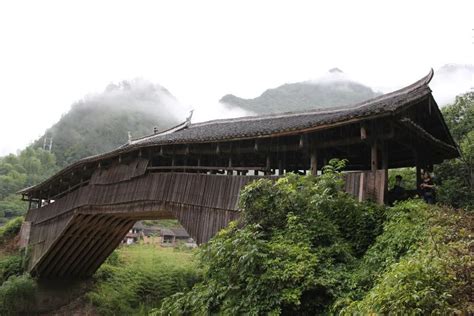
(277, 125)
(290, 122)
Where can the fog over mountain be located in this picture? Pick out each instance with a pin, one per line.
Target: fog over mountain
(333, 89)
(101, 122)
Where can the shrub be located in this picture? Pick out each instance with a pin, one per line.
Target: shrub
(16, 294)
(10, 229)
(300, 235)
(421, 264)
(417, 284)
(304, 247)
(137, 278)
(10, 265)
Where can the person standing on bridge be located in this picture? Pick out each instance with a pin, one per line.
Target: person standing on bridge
(428, 188)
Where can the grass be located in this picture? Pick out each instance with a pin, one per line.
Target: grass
(165, 223)
(136, 278)
(142, 254)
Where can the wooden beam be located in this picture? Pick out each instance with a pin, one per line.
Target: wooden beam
(209, 168)
(363, 131)
(425, 135)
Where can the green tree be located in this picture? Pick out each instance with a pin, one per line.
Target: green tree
(28, 168)
(290, 254)
(456, 176)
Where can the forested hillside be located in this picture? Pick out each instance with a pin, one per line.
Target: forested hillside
(101, 122)
(29, 167)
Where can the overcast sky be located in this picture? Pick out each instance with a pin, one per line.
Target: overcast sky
(52, 53)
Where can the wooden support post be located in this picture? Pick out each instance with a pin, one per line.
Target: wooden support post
(280, 167)
(385, 156)
(385, 168)
(301, 143)
(374, 157)
(418, 170)
(314, 162)
(268, 165)
(362, 186)
(229, 172)
(363, 132)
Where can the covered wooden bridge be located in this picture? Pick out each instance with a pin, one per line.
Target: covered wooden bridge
(194, 172)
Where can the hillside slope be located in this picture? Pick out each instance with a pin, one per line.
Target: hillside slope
(101, 122)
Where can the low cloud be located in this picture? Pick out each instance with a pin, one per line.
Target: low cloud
(218, 110)
(450, 81)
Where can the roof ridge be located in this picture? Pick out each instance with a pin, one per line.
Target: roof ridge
(419, 83)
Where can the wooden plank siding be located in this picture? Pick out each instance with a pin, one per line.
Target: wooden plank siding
(203, 204)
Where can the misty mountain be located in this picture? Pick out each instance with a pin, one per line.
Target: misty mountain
(101, 122)
(335, 89)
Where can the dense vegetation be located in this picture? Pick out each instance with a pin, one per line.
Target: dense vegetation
(29, 167)
(16, 288)
(457, 176)
(305, 247)
(136, 278)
